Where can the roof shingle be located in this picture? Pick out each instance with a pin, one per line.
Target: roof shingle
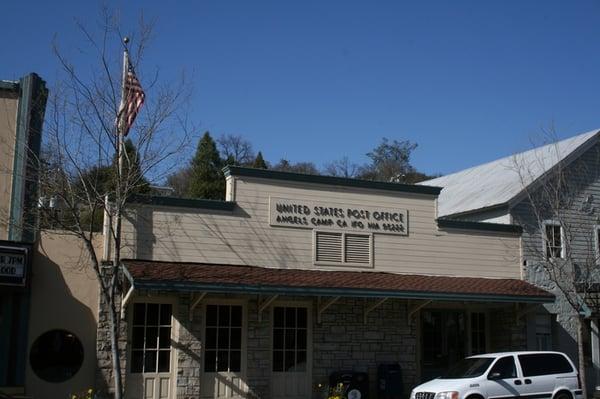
(171, 274)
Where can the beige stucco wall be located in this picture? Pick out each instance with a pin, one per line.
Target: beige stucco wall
(64, 296)
(244, 236)
(8, 126)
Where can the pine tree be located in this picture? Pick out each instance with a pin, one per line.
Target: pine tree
(207, 180)
(259, 162)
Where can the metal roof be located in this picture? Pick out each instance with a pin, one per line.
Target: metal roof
(498, 182)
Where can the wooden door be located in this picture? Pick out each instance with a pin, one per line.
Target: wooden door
(291, 354)
(224, 352)
(151, 356)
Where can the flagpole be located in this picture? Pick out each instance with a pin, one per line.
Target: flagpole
(120, 123)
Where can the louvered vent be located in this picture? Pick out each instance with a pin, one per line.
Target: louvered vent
(328, 247)
(358, 249)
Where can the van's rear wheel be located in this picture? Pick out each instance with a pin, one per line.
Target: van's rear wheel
(563, 395)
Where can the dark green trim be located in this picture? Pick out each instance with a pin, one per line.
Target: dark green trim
(189, 286)
(330, 180)
(9, 86)
(28, 136)
(466, 225)
(182, 202)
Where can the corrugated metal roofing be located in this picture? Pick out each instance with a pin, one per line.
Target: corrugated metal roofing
(499, 181)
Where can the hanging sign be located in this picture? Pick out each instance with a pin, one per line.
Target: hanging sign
(14, 262)
(287, 212)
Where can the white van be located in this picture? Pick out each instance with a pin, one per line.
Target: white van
(507, 375)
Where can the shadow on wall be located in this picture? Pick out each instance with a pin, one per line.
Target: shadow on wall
(64, 297)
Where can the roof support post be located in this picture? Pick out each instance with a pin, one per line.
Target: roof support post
(195, 302)
(372, 307)
(323, 306)
(416, 307)
(129, 291)
(523, 311)
(262, 305)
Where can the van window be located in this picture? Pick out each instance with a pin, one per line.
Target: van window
(505, 367)
(543, 364)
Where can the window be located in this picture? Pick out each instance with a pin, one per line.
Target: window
(553, 240)
(343, 248)
(223, 338)
(505, 367)
(289, 339)
(151, 338)
(478, 333)
(543, 332)
(544, 364)
(56, 356)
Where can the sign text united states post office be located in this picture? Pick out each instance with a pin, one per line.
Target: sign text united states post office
(338, 216)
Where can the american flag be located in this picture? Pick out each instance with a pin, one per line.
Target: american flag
(132, 101)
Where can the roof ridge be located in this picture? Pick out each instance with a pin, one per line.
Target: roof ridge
(531, 150)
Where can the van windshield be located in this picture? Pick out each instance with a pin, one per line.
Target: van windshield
(468, 368)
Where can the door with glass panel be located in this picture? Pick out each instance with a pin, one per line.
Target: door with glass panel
(223, 372)
(150, 353)
(291, 356)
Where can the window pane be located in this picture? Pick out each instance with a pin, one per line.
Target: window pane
(278, 317)
(278, 338)
(235, 363)
(236, 316)
(165, 337)
(277, 361)
(150, 362)
(223, 342)
(222, 361)
(137, 338)
(139, 314)
(505, 367)
(211, 315)
(211, 338)
(236, 338)
(152, 315)
(164, 361)
(224, 315)
(301, 339)
(290, 339)
(151, 337)
(137, 361)
(210, 361)
(301, 361)
(165, 314)
(302, 318)
(544, 364)
(290, 317)
(290, 360)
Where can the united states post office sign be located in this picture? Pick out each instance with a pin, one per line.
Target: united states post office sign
(286, 212)
(13, 265)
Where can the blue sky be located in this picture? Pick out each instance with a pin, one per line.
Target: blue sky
(469, 81)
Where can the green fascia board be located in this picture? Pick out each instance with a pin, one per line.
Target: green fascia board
(483, 226)
(9, 86)
(187, 286)
(182, 202)
(330, 180)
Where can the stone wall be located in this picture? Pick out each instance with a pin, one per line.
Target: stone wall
(342, 341)
(104, 370)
